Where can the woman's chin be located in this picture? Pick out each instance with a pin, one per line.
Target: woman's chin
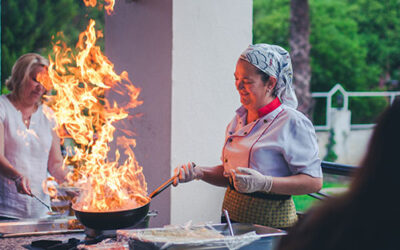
(244, 101)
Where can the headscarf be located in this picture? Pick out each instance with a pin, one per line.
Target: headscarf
(274, 61)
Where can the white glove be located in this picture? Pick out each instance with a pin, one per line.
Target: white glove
(247, 180)
(186, 173)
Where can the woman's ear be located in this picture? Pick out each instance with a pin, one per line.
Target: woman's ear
(271, 83)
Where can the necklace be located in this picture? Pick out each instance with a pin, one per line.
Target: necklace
(25, 118)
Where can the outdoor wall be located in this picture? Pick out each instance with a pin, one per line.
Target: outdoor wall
(138, 39)
(208, 37)
(182, 54)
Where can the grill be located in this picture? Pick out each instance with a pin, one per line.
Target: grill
(57, 231)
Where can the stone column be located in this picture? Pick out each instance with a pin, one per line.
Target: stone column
(341, 121)
(182, 54)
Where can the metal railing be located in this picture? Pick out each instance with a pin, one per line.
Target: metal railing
(333, 168)
(346, 95)
(338, 169)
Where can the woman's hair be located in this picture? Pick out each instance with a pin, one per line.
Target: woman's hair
(367, 216)
(22, 69)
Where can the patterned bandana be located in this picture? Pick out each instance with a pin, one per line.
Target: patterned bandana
(274, 61)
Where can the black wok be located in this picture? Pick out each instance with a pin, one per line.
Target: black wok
(118, 219)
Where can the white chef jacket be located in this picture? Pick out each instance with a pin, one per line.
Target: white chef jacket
(280, 143)
(28, 151)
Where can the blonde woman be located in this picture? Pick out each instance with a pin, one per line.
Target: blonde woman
(29, 147)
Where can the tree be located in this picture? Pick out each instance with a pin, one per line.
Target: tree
(300, 53)
(379, 27)
(353, 42)
(28, 26)
(338, 54)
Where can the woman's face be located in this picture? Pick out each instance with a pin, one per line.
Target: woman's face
(32, 90)
(252, 89)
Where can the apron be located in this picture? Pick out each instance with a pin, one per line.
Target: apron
(276, 211)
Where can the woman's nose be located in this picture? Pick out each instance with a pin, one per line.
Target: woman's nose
(39, 86)
(239, 85)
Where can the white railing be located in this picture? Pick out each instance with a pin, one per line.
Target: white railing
(346, 95)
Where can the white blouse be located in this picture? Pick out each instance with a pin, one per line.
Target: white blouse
(27, 149)
(281, 143)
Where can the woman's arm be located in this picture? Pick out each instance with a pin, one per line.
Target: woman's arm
(214, 175)
(296, 184)
(8, 171)
(55, 163)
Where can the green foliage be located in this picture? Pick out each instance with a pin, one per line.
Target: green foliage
(271, 22)
(336, 48)
(353, 42)
(371, 107)
(28, 26)
(379, 29)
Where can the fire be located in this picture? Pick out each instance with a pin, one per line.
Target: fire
(81, 80)
(109, 7)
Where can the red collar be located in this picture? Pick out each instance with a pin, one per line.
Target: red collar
(269, 107)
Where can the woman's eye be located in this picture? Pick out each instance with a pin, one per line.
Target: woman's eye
(34, 79)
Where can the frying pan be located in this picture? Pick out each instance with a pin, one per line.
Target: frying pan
(119, 219)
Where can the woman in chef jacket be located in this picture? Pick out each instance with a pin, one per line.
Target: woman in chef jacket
(270, 150)
(29, 147)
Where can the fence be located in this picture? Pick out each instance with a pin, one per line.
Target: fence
(346, 95)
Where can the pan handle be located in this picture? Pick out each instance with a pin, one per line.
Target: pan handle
(165, 185)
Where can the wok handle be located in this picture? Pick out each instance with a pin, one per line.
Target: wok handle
(165, 185)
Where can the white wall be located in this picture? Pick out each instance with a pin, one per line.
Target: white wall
(208, 37)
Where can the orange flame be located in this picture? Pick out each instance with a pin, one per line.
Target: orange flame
(80, 81)
(109, 7)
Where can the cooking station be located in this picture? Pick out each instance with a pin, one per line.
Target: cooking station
(20, 234)
(36, 234)
(26, 234)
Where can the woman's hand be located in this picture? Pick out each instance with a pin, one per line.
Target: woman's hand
(247, 180)
(186, 173)
(22, 184)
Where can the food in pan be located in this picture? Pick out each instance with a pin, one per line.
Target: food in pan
(175, 235)
(74, 224)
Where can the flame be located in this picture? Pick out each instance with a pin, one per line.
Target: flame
(109, 7)
(80, 81)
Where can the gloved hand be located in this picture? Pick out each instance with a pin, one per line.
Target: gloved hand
(247, 180)
(22, 184)
(186, 173)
